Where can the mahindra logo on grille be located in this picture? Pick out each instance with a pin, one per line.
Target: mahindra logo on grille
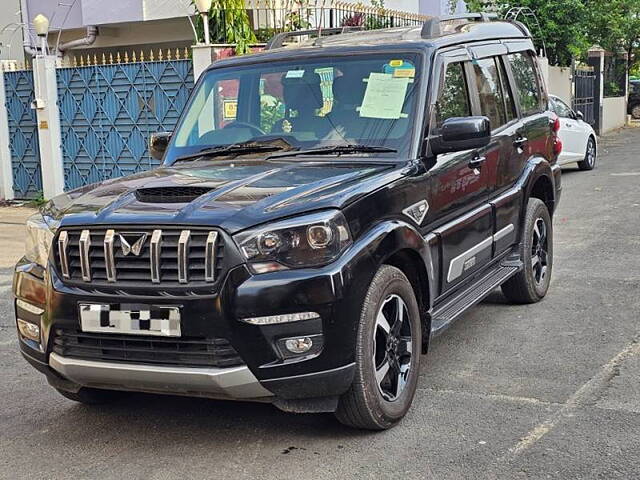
(132, 243)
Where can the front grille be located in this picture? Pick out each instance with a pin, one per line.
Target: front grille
(186, 352)
(138, 257)
(170, 194)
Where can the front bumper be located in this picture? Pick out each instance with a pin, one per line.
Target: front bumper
(335, 292)
(233, 382)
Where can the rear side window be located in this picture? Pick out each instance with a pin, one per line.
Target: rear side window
(560, 108)
(526, 83)
(453, 100)
(492, 101)
(509, 104)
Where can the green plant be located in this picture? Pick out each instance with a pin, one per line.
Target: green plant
(37, 201)
(378, 20)
(369, 21)
(228, 23)
(297, 18)
(265, 34)
(271, 111)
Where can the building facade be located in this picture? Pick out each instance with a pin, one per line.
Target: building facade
(11, 34)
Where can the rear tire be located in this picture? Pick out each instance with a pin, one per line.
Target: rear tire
(589, 161)
(635, 112)
(530, 284)
(388, 346)
(92, 396)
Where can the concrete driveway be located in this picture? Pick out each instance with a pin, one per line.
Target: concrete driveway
(542, 391)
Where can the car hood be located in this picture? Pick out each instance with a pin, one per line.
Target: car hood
(240, 194)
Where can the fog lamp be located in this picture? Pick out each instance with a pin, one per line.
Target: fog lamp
(29, 330)
(301, 347)
(298, 345)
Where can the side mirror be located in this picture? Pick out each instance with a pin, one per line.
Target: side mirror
(462, 133)
(579, 115)
(158, 143)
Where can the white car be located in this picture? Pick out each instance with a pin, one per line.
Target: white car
(579, 144)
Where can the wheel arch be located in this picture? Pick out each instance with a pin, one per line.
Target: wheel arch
(542, 188)
(539, 181)
(403, 247)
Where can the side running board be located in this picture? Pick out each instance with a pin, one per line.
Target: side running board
(444, 316)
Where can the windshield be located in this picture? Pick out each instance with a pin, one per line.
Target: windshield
(365, 99)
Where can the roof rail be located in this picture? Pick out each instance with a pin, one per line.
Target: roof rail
(431, 28)
(278, 39)
(482, 17)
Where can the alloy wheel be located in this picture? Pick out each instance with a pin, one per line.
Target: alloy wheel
(393, 347)
(591, 153)
(539, 251)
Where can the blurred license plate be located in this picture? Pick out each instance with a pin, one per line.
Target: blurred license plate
(157, 320)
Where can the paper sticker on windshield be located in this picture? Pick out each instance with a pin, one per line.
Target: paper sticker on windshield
(404, 72)
(384, 96)
(395, 63)
(295, 74)
(230, 109)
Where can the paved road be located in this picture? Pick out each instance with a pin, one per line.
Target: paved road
(544, 391)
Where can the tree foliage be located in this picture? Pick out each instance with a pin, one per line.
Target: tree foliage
(615, 26)
(561, 24)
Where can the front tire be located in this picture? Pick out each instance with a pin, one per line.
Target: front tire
(589, 161)
(388, 346)
(635, 112)
(530, 284)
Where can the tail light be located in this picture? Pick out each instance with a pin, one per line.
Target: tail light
(557, 146)
(555, 124)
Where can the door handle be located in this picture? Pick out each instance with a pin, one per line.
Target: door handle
(477, 161)
(520, 142)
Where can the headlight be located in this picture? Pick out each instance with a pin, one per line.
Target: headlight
(308, 241)
(39, 239)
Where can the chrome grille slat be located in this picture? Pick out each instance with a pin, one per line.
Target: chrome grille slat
(183, 252)
(210, 257)
(63, 242)
(168, 256)
(85, 244)
(156, 246)
(110, 263)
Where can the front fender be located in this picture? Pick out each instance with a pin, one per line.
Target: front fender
(393, 236)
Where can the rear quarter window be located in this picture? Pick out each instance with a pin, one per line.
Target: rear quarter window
(527, 83)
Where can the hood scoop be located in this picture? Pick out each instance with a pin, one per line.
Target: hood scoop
(184, 194)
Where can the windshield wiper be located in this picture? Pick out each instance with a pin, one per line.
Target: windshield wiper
(337, 150)
(232, 149)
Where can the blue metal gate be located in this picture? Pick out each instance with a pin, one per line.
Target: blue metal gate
(108, 112)
(23, 134)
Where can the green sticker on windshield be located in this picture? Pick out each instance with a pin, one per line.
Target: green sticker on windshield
(384, 97)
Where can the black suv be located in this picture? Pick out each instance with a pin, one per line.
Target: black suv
(322, 211)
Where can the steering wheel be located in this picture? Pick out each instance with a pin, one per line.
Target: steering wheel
(257, 131)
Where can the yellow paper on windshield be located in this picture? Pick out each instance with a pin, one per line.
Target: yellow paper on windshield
(384, 96)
